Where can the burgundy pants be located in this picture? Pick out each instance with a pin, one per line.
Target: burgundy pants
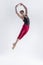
(23, 31)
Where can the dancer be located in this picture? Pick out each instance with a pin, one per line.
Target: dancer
(24, 16)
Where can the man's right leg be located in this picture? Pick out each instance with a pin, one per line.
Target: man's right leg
(14, 44)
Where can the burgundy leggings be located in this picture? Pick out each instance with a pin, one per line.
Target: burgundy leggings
(23, 31)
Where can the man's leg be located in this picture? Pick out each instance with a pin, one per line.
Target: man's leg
(14, 44)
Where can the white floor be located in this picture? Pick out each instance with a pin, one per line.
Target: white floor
(29, 50)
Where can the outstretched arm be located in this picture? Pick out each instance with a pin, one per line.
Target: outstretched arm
(17, 11)
(25, 8)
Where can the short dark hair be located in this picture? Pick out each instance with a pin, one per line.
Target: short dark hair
(22, 11)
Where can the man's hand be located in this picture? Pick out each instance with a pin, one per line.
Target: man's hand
(20, 3)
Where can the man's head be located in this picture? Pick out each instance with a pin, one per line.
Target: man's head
(22, 12)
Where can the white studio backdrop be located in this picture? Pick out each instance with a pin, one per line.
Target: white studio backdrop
(29, 50)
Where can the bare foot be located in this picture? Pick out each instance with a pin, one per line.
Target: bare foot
(14, 45)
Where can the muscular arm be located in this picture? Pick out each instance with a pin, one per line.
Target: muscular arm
(25, 9)
(17, 12)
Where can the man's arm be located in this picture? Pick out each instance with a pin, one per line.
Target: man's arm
(25, 8)
(17, 12)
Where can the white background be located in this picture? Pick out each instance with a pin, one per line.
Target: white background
(29, 50)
